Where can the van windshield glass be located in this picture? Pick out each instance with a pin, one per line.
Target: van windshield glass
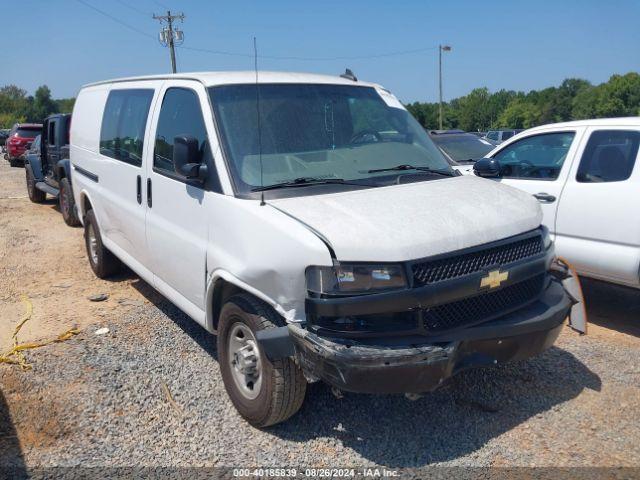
(320, 132)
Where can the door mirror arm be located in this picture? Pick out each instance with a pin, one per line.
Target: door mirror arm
(194, 171)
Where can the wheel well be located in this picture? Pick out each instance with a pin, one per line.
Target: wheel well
(86, 205)
(61, 173)
(222, 291)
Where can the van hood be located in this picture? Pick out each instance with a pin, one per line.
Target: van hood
(415, 220)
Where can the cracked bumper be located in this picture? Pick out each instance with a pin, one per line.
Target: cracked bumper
(421, 364)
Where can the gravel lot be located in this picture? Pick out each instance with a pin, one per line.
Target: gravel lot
(150, 393)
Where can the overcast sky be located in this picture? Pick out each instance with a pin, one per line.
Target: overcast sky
(519, 45)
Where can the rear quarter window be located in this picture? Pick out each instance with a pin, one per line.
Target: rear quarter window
(609, 156)
(123, 124)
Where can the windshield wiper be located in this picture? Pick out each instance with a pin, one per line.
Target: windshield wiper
(446, 173)
(306, 181)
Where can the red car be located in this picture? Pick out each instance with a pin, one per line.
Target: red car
(19, 141)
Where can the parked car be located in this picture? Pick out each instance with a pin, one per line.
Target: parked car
(461, 147)
(587, 180)
(4, 134)
(48, 169)
(299, 239)
(499, 136)
(479, 133)
(19, 141)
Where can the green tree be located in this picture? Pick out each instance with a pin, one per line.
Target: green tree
(520, 114)
(13, 105)
(43, 105)
(65, 105)
(473, 110)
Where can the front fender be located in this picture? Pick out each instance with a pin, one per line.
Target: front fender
(63, 169)
(35, 163)
(261, 251)
(229, 278)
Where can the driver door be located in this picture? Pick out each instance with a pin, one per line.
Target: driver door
(539, 164)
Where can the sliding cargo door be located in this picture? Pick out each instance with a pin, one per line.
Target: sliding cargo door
(121, 172)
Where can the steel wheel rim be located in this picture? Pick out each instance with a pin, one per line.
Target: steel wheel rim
(244, 360)
(92, 242)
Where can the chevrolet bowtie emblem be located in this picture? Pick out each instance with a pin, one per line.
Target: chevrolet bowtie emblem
(494, 279)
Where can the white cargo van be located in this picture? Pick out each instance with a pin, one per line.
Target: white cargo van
(311, 223)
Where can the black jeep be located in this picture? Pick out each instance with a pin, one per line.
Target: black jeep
(48, 168)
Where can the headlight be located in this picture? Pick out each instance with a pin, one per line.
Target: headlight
(355, 278)
(546, 237)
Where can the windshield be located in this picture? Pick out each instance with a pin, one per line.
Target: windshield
(463, 147)
(318, 132)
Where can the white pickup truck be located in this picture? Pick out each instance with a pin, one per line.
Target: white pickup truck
(587, 180)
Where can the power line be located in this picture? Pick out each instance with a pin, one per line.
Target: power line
(135, 9)
(215, 52)
(268, 57)
(355, 57)
(115, 19)
(312, 59)
(160, 4)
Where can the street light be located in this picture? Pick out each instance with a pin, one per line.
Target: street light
(441, 48)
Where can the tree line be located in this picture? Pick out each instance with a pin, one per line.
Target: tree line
(574, 99)
(480, 110)
(18, 107)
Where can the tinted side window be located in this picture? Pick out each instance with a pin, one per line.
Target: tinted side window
(123, 124)
(180, 115)
(538, 156)
(506, 135)
(609, 156)
(52, 133)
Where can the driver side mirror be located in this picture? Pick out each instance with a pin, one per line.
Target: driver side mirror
(186, 158)
(487, 168)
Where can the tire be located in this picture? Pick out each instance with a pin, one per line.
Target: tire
(14, 162)
(282, 385)
(35, 195)
(67, 204)
(102, 261)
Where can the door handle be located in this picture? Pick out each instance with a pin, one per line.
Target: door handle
(149, 200)
(545, 197)
(139, 189)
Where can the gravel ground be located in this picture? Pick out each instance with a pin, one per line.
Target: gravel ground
(149, 393)
(100, 400)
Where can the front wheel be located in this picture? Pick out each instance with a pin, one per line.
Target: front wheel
(67, 204)
(264, 392)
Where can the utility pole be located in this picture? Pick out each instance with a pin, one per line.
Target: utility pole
(169, 36)
(441, 48)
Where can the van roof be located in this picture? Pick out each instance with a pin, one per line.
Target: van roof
(613, 122)
(243, 77)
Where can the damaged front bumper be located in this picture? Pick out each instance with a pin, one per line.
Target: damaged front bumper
(419, 364)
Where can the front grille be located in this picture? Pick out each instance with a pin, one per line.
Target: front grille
(459, 265)
(482, 307)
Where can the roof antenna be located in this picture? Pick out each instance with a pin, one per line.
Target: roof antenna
(348, 74)
(255, 67)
